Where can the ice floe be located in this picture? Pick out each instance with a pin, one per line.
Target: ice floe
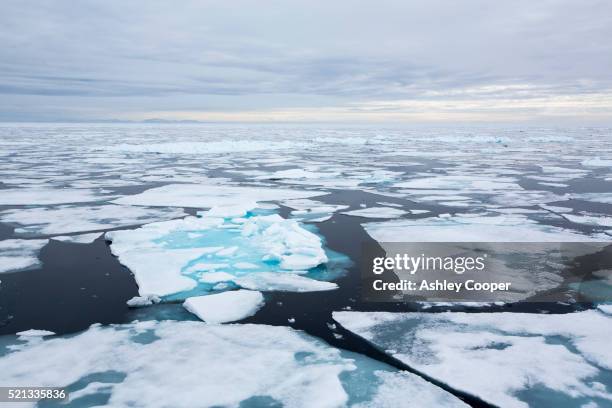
(467, 183)
(376, 212)
(281, 282)
(597, 162)
(70, 219)
(589, 219)
(78, 239)
(312, 210)
(504, 358)
(180, 255)
(211, 195)
(204, 363)
(45, 196)
(225, 307)
(19, 254)
(471, 228)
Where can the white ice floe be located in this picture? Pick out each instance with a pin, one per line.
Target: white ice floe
(589, 219)
(468, 183)
(78, 239)
(597, 162)
(282, 281)
(177, 256)
(19, 254)
(45, 196)
(377, 212)
(69, 219)
(500, 357)
(211, 195)
(605, 198)
(606, 308)
(312, 210)
(204, 363)
(225, 307)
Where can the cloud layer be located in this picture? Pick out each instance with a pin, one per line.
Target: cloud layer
(306, 60)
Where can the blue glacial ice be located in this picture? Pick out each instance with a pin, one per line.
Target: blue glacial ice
(178, 364)
(229, 246)
(506, 359)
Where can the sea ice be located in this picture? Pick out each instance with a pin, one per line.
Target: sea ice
(78, 239)
(45, 196)
(204, 363)
(589, 219)
(312, 210)
(140, 301)
(177, 256)
(34, 333)
(464, 183)
(227, 146)
(471, 228)
(225, 307)
(211, 195)
(19, 254)
(70, 219)
(282, 282)
(500, 357)
(597, 162)
(377, 212)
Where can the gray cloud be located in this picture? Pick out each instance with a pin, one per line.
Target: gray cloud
(102, 59)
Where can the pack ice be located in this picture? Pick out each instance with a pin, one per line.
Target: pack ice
(19, 254)
(212, 365)
(503, 358)
(191, 256)
(69, 219)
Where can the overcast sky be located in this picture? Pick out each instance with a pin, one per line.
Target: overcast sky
(333, 60)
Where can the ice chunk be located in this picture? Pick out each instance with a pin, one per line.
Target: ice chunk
(140, 301)
(177, 256)
(313, 211)
(377, 212)
(69, 219)
(282, 281)
(19, 254)
(44, 196)
(204, 363)
(207, 196)
(35, 333)
(500, 357)
(225, 307)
